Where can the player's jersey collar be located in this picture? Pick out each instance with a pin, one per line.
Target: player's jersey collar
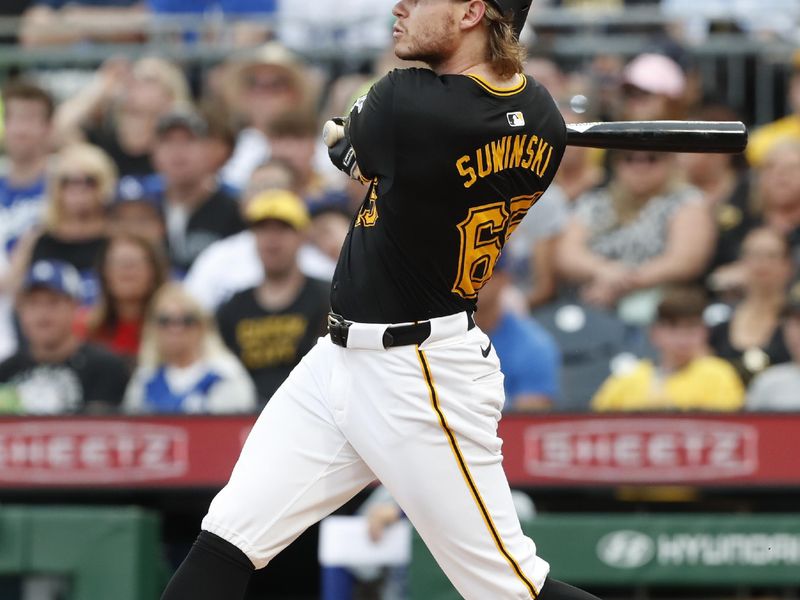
(505, 91)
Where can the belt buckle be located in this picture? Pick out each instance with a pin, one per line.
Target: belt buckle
(338, 329)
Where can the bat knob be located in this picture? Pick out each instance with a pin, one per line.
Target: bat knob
(332, 132)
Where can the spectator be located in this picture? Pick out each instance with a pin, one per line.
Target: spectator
(752, 338)
(60, 22)
(653, 88)
(763, 139)
(139, 214)
(262, 84)
(775, 203)
(643, 230)
(779, 192)
(271, 327)
(183, 365)
(212, 281)
(130, 269)
(57, 373)
(27, 119)
(529, 357)
(81, 185)
(293, 137)
(683, 377)
(119, 110)
(777, 387)
(197, 211)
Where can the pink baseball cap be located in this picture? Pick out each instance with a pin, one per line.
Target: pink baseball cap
(655, 74)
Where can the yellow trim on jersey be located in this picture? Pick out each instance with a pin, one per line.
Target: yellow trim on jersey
(499, 91)
(462, 465)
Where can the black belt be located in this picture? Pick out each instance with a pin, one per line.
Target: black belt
(398, 335)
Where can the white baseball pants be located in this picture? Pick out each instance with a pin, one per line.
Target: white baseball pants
(421, 419)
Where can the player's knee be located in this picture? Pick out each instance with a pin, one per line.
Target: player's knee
(557, 590)
(222, 548)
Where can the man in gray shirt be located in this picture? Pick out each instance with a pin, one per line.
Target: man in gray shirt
(778, 388)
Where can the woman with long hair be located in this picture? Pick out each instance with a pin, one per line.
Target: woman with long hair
(184, 367)
(80, 187)
(752, 339)
(130, 270)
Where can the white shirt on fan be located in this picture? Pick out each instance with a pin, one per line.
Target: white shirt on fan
(211, 280)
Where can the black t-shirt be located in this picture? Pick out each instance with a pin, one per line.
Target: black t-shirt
(127, 164)
(750, 361)
(215, 219)
(90, 380)
(271, 343)
(80, 254)
(455, 165)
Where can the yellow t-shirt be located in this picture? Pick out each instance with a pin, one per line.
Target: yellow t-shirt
(764, 138)
(707, 383)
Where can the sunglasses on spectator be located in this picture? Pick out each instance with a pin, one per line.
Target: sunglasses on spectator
(87, 181)
(268, 84)
(187, 320)
(649, 158)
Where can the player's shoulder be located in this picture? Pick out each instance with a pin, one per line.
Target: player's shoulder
(412, 79)
(412, 75)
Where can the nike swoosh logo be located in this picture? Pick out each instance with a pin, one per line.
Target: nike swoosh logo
(488, 349)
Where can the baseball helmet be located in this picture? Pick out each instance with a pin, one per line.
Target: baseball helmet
(518, 9)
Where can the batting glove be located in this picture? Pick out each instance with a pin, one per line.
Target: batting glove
(340, 150)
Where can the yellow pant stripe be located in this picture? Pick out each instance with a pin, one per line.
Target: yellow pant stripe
(468, 477)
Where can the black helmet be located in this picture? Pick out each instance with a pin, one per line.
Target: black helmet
(518, 9)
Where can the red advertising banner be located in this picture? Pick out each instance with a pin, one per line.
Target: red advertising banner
(559, 450)
(548, 450)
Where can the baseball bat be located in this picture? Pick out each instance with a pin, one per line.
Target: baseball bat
(728, 137)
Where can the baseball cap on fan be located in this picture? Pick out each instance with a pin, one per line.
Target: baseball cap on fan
(54, 275)
(655, 74)
(182, 118)
(272, 54)
(278, 205)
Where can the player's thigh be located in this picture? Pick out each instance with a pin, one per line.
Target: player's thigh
(294, 469)
(447, 474)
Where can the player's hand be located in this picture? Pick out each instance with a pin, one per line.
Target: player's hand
(340, 150)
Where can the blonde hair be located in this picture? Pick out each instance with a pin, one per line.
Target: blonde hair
(212, 345)
(757, 190)
(84, 158)
(165, 74)
(504, 52)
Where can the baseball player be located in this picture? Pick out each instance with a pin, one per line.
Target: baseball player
(405, 388)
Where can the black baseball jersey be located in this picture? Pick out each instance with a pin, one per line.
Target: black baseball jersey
(454, 166)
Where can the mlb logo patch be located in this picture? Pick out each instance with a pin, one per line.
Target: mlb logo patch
(515, 119)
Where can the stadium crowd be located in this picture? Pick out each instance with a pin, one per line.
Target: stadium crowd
(168, 235)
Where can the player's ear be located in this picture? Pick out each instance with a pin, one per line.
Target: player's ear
(472, 13)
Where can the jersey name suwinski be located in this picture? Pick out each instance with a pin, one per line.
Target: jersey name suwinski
(448, 157)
